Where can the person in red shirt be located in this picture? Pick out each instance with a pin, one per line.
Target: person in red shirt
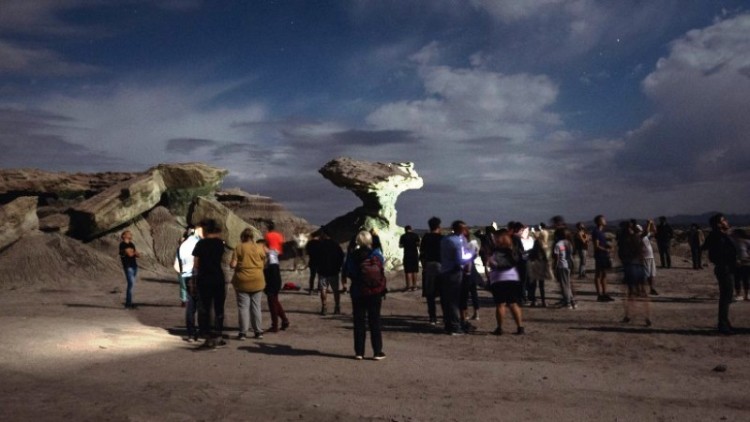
(275, 244)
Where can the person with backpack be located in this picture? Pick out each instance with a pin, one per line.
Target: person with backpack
(365, 268)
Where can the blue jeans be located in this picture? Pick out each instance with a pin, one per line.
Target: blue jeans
(130, 274)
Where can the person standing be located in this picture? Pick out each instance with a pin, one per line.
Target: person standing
(274, 244)
(211, 284)
(366, 303)
(248, 260)
(539, 272)
(649, 263)
(453, 259)
(505, 282)
(430, 257)
(695, 240)
(631, 250)
(602, 259)
(129, 258)
(329, 261)
(664, 235)
(188, 289)
(581, 247)
(409, 242)
(723, 254)
(742, 281)
(562, 254)
(312, 248)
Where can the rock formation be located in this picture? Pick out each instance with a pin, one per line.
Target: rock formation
(17, 219)
(231, 225)
(378, 185)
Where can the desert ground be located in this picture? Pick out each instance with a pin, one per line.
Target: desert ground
(75, 354)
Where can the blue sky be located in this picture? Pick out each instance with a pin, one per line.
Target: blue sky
(509, 109)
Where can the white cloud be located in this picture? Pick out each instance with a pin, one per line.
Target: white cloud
(37, 61)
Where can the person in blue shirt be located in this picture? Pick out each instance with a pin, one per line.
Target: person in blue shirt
(454, 257)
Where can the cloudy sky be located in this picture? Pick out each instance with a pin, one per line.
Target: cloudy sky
(510, 109)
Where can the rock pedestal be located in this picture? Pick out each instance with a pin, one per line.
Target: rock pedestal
(378, 185)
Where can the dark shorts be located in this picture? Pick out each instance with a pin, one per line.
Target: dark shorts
(507, 292)
(411, 266)
(602, 262)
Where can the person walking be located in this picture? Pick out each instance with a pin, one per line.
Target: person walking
(248, 260)
(723, 254)
(366, 300)
(129, 258)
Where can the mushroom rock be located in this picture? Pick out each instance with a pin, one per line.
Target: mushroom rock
(17, 218)
(378, 185)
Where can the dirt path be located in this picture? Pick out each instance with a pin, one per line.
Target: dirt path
(77, 355)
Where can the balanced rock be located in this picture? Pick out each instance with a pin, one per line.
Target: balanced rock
(17, 218)
(378, 185)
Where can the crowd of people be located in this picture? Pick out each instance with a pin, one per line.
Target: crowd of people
(518, 261)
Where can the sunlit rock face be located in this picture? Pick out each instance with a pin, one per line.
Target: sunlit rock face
(378, 185)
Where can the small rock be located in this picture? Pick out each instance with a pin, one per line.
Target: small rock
(720, 368)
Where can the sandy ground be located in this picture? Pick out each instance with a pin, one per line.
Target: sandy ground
(72, 354)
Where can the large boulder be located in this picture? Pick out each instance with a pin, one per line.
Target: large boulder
(116, 206)
(378, 185)
(231, 225)
(166, 233)
(17, 218)
(55, 186)
(186, 181)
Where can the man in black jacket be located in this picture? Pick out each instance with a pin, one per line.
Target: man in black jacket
(330, 257)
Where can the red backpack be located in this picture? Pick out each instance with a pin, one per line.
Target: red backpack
(373, 275)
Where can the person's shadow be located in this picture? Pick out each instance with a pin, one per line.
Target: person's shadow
(287, 350)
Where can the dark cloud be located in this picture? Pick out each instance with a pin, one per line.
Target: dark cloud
(188, 145)
(374, 137)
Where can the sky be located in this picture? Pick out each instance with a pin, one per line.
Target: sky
(509, 109)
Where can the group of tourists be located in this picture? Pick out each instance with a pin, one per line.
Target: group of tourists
(518, 261)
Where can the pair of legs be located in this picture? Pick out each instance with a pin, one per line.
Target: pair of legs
(665, 255)
(273, 287)
(507, 294)
(602, 264)
(130, 275)
(311, 280)
(211, 297)
(532, 292)
(366, 313)
(431, 288)
(581, 263)
(189, 298)
(248, 310)
(742, 281)
(635, 283)
(725, 278)
(469, 284)
(324, 282)
(563, 277)
(450, 298)
(410, 280)
(697, 256)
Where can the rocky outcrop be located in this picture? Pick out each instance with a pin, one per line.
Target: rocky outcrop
(166, 233)
(17, 219)
(116, 206)
(54, 186)
(174, 185)
(231, 225)
(258, 210)
(378, 185)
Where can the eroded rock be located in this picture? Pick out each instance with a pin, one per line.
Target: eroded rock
(17, 218)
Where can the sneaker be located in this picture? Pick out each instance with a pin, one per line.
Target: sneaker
(457, 333)
(653, 292)
(520, 331)
(379, 356)
(241, 336)
(209, 344)
(189, 339)
(475, 317)
(498, 332)
(358, 357)
(574, 305)
(284, 325)
(433, 322)
(569, 307)
(258, 336)
(600, 298)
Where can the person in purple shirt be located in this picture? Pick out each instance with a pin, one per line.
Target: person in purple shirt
(454, 256)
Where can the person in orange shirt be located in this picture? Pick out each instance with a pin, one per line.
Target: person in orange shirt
(275, 244)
